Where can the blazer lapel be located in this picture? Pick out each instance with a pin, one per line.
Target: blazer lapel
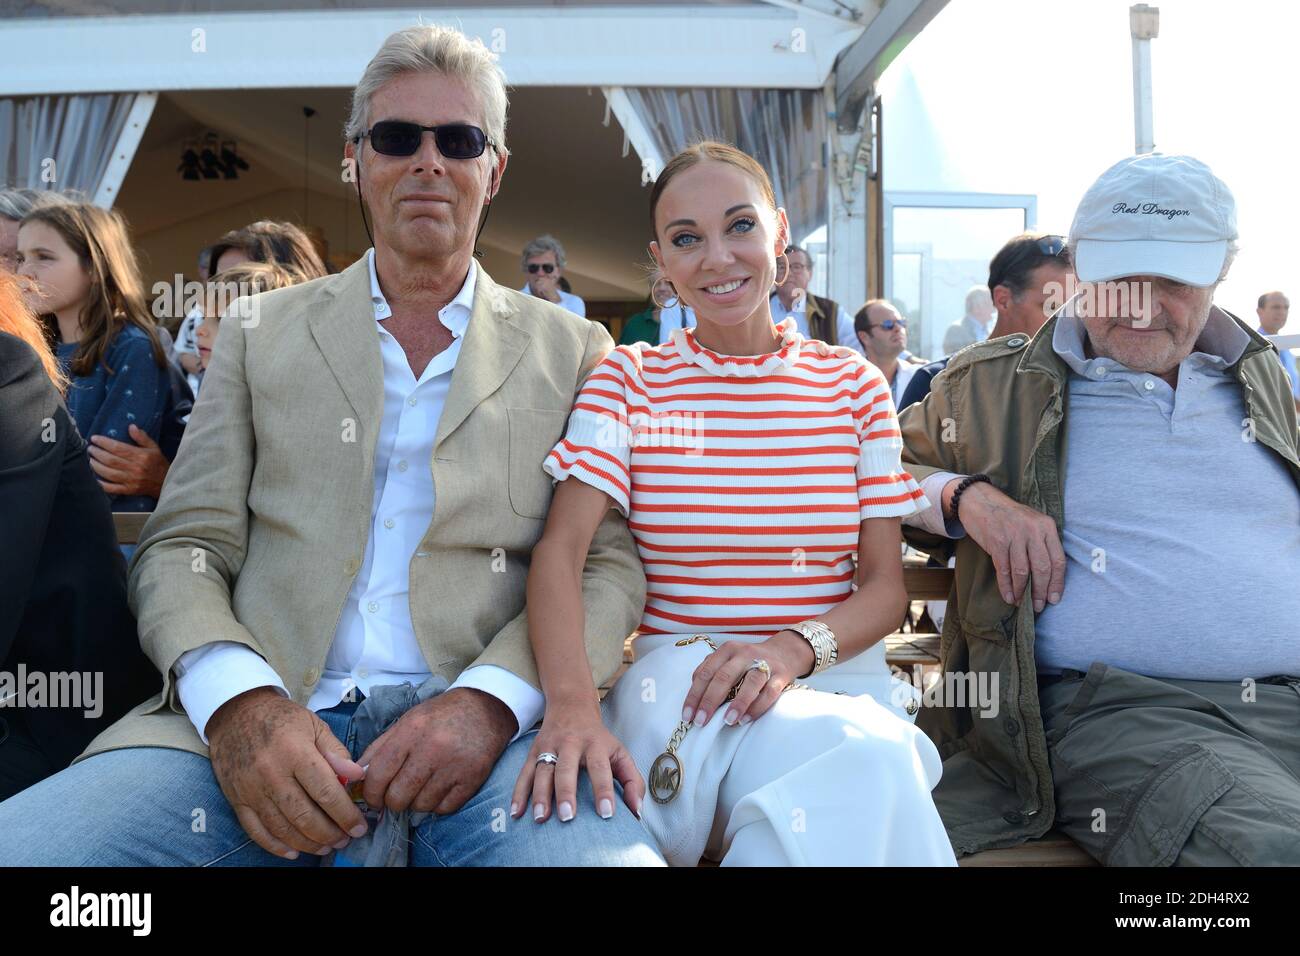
(344, 331)
(492, 348)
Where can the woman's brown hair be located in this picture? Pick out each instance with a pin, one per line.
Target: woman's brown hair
(267, 241)
(704, 151)
(116, 298)
(19, 321)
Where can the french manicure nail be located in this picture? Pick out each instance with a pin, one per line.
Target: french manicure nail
(566, 812)
(539, 811)
(700, 719)
(606, 808)
(291, 855)
(514, 809)
(745, 720)
(687, 714)
(730, 719)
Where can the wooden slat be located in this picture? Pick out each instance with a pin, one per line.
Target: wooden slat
(927, 584)
(908, 649)
(129, 524)
(1054, 849)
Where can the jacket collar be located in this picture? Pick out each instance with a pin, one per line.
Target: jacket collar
(1224, 335)
(344, 331)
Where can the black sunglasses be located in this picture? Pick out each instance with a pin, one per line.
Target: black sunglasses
(1051, 246)
(888, 324)
(544, 266)
(400, 138)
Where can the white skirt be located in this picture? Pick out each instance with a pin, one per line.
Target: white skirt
(836, 775)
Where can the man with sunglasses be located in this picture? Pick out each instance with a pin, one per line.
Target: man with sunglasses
(1027, 279)
(882, 330)
(333, 582)
(543, 264)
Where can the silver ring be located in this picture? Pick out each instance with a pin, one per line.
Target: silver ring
(761, 665)
(548, 757)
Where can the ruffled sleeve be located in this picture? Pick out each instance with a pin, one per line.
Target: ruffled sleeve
(885, 489)
(596, 448)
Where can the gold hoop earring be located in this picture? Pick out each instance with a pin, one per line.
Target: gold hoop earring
(787, 269)
(664, 305)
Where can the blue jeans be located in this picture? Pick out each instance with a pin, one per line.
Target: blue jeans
(153, 806)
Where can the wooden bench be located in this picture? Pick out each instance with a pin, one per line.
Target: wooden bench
(904, 649)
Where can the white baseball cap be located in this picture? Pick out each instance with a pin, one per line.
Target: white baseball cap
(1154, 215)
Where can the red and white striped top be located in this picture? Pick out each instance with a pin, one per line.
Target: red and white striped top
(744, 479)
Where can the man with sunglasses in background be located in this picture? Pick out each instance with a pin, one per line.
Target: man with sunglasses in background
(1027, 279)
(543, 263)
(333, 582)
(883, 334)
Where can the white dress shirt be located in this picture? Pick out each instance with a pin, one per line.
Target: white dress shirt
(375, 643)
(799, 312)
(568, 300)
(676, 316)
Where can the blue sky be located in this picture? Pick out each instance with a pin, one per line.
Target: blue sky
(1037, 97)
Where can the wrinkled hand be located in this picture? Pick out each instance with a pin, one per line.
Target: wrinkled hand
(437, 755)
(787, 654)
(278, 765)
(1023, 543)
(575, 733)
(126, 469)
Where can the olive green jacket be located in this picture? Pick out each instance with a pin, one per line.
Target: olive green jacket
(999, 408)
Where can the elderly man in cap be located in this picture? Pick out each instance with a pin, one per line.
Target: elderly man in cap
(332, 584)
(1125, 600)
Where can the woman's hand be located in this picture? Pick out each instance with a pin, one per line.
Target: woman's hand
(788, 656)
(575, 733)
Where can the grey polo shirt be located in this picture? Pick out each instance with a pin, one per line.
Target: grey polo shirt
(1182, 534)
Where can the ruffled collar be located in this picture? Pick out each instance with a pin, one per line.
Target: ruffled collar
(742, 366)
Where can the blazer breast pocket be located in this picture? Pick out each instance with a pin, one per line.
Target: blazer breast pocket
(533, 433)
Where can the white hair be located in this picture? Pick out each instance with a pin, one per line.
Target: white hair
(542, 245)
(433, 49)
(1228, 258)
(978, 295)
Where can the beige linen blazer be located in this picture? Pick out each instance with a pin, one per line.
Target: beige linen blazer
(262, 525)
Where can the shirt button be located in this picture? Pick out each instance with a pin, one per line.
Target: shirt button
(1148, 385)
(372, 607)
(310, 678)
(422, 554)
(1100, 371)
(388, 522)
(412, 401)
(402, 466)
(385, 336)
(1011, 727)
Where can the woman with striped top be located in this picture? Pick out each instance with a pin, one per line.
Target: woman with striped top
(754, 467)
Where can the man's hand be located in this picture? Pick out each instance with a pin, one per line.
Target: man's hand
(278, 765)
(1022, 542)
(545, 286)
(438, 753)
(126, 469)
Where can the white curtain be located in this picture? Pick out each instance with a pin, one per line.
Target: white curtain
(785, 130)
(78, 132)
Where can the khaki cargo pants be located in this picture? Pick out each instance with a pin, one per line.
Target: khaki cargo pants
(1159, 772)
